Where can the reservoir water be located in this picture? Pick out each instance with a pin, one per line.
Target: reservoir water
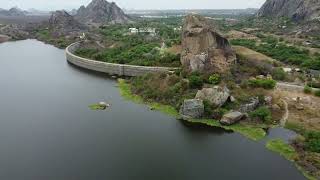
(47, 131)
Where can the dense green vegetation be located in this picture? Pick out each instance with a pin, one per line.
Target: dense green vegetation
(145, 49)
(262, 83)
(313, 141)
(288, 54)
(262, 113)
(144, 54)
(46, 36)
(126, 92)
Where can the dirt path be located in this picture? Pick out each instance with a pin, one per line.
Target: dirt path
(286, 114)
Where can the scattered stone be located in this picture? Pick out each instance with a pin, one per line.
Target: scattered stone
(260, 77)
(299, 107)
(204, 49)
(232, 99)
(217, 95)
(151, 108)
(251, 106)
(268, 100)
(276, 107)
(231, 118)
(192, 108)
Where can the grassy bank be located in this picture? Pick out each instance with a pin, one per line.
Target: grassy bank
(251, 132)
(125, 92)
(282, 148)
(288, 152)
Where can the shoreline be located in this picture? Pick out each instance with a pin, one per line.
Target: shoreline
(250, 132)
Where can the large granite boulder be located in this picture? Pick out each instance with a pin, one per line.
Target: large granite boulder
(217, 95)
(231, 118)
(192, 109)
(203, 48)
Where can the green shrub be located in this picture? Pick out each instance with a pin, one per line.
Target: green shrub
(262, 83)
(317, 93)
(279, 74)
(214, 79)
(262, 113)
(195, 80)
(307, 89)
(313, 141)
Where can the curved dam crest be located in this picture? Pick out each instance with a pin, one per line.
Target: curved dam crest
(110, 68)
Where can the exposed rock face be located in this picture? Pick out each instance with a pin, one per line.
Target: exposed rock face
(101, 12)
(192, 108)
(63, 23)
(203, 49)
(217, 95)
(231, 118)
(298, 10)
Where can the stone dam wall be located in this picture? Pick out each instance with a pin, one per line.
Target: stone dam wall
(110, 68)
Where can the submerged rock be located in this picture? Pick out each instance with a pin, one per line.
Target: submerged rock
(231, 118)
(192, 109)
(217, 95)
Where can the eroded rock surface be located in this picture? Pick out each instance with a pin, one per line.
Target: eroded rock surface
(217, 95)
(203, 48)
(231, 118)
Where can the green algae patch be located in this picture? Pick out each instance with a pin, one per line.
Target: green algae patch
(251, 132)
(282, 148)
(126, 93)
(96, 107)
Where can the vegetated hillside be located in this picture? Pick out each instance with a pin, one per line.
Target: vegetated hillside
(298, 10)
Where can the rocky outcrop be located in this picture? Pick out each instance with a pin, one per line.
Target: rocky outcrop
(101, 12)
(203, 48)
(231, 118)
(217, 95)
(62, 23)
(15, 32)
(298, 10)
(192, 109)
(250, 106)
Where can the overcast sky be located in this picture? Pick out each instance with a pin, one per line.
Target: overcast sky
(136, 4)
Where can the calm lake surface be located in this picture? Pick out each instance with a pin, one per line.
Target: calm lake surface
(47, 131)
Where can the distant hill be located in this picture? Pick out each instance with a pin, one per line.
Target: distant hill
(62, 22)
(101, 12)
(12, 12)
(297, 10)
